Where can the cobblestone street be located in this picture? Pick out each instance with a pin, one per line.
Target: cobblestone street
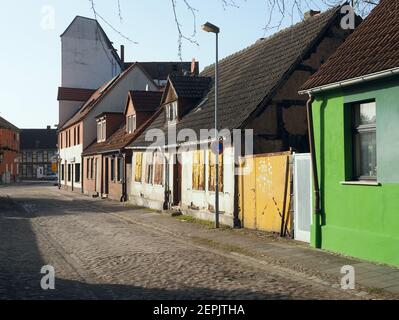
(104, 250)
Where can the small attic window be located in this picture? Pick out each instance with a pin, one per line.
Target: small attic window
(101, 130)
(171, 112)
(131, 124)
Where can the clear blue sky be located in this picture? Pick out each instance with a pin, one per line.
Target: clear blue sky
(31, 55)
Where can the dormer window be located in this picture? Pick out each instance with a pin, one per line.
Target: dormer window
(101, 130)
(171, 112)
(131, 123)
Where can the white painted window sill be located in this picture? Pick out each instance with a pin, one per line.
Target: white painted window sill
(361, 183)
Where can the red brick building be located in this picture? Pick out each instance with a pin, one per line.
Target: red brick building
(9, 151)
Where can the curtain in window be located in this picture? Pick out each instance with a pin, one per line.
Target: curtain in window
(212, 172)
(158, 170)
(138, 167)
(365, 143)
(199, 170)
(149, 167)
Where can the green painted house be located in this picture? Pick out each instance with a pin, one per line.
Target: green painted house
(354, 112)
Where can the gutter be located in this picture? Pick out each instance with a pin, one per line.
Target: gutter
(317, 202)
(353, 81)
(101, 152)
(183, 144)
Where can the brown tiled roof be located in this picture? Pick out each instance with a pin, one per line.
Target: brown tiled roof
(74, 94)
(97, 96)
(373, 47)
(146, 101)
(250, 77)
(4, 124)
(190, 87)
(119, 140)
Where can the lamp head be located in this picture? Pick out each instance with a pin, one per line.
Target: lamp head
(209, 27)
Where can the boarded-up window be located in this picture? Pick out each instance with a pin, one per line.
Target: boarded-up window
(138, 167)
(149, 167)
(158, 170)
(199, 170)
(212, 172)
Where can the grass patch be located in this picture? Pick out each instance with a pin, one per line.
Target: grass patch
(135, 207)
(222, 246)
(376, 291)
(208, 224)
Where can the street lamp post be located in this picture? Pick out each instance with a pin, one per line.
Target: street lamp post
(209, 27)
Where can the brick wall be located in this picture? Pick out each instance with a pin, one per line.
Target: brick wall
(91, 172)
(9, 139)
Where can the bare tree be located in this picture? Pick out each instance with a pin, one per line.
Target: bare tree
(276, 11)
(283, 9)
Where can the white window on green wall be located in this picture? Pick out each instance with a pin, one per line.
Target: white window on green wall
(364, 140)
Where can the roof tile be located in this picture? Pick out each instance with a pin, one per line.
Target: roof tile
(371, 48)
(250, 75)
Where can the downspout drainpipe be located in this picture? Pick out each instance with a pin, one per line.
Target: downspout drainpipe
(166, 203)
(81, 175)
(124, 186)
(317, 204)
(59, 173)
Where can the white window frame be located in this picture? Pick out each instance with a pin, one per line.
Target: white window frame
(134, 123)
(131, 123)
(358, 130)
(101, 130)
(172, 112)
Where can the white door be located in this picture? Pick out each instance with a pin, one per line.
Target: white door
(40, 172)
(303, 207)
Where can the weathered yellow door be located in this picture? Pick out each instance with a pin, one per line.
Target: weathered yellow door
(247, 194)
(271, 192)
(265, 193)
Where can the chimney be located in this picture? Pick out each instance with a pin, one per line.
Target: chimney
(48, 127)
(311, 13)
(123, 55)
(193, 67)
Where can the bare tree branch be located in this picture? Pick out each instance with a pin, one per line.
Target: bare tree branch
(97, 15)
(277, 11)
(120, 11)
(181, 35)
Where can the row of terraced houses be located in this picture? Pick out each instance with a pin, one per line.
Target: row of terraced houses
(316, 124)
